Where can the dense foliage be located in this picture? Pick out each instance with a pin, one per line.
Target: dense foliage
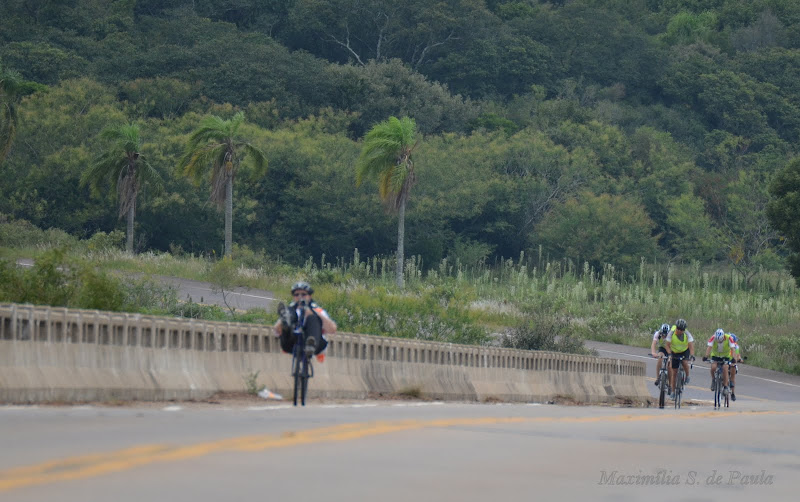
(601, 131)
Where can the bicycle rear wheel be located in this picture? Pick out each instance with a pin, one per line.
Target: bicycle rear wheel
(297, 377)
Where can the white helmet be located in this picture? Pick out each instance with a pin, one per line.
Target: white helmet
(664, 329)
(719, 335)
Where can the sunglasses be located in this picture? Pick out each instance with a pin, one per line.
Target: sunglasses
(299, 295)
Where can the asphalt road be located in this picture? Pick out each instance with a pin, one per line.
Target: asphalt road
(752, 384)
(398, 451)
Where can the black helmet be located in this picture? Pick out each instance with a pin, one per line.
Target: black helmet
(304, 286)
(680, 324)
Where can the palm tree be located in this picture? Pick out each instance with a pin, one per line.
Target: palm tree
(386, 155)
(11, 90)
(215, 144)
(125, 169)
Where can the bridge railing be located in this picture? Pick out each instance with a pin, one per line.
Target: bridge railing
(163, 343)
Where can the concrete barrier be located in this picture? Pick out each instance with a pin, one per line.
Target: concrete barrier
(50, 354)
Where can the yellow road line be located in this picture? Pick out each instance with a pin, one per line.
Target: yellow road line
(86, 466)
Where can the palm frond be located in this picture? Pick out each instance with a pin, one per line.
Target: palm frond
(386, 155)
(198, 161)
(256, 158)
(149, 176)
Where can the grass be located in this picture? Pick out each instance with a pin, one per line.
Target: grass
(477, 304)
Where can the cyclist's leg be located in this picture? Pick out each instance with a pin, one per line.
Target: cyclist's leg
(662, 353)
(287, 340)
(686, 367)
(725, 368)
(713, 372)
(313, 329)
(673, 370)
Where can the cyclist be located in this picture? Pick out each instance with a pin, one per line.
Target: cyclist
(660, 340)
(720, 347)
(304, 315)
(737, 358)
(680, 345)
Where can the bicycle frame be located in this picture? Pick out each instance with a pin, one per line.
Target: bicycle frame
(302, 369)
(680, 378)
(721, 395)
(663, 380)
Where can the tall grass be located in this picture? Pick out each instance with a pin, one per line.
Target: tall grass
(478, 303)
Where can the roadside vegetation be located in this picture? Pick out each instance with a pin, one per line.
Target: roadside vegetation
(527, 302)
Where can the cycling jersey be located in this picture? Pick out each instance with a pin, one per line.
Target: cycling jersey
(677, 344)
(723, 348)
(662, 339)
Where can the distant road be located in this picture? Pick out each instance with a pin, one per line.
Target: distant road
(240, 298)
(752, 383)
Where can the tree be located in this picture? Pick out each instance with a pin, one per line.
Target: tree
(123, 166)
(12, 89)
(783, 211)
(386, 155)
(216, 145)
(598, 229)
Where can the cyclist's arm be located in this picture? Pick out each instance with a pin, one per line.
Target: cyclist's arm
(691, 349)
(653, 346)
(708, 349)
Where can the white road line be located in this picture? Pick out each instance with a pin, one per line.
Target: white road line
(234, 293)
(739, 375)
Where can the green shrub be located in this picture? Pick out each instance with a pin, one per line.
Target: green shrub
(102, 242)
(543, 331)
(21, 234)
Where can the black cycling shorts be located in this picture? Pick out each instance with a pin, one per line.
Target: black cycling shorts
(678, 356)
(662, 350)
(718, 359)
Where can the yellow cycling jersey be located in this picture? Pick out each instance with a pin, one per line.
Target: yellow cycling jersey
(721, 349)
(676, 344)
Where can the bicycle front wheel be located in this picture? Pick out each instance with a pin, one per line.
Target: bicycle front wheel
(678, 388)
(662, 391)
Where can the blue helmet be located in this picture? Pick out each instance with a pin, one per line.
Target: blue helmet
(719, 335)
(733, 337)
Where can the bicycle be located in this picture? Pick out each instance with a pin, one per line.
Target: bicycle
(721, 393)
(302, 353)
(663, 380)
(302, 369)
(680, 381)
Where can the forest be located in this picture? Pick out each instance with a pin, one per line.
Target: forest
(602, 132)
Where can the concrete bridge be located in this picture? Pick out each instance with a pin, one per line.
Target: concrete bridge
(52, 354)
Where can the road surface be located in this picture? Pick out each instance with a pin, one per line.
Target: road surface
(418, 451)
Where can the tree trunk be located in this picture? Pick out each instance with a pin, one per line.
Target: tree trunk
(129, 243)
(401, 234)
(228, 215)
